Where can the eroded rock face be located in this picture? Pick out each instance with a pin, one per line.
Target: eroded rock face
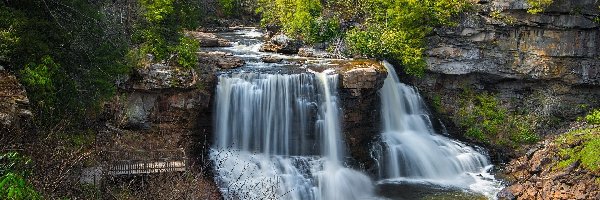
(281, 44)
(14, 105)
(504, 40)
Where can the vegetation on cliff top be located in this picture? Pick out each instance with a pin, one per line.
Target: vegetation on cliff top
(376, 28)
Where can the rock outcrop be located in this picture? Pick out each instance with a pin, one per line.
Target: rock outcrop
(14, 107)
(360, 81)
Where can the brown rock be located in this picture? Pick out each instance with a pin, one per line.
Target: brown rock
(208, 39)
(220, 59)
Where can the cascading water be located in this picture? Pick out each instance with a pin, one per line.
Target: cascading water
(278, 137)
(414, 152)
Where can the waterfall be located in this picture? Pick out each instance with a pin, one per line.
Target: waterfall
(278, 137)
(414, 151)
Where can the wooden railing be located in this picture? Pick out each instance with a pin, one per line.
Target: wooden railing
(144, 162)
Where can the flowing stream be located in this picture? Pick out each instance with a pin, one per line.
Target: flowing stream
(278, 136)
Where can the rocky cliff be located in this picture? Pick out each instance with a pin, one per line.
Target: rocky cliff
(545, 65)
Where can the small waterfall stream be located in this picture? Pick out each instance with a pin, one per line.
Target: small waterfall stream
(414, 152)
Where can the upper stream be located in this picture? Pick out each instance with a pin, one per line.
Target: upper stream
(278, 136)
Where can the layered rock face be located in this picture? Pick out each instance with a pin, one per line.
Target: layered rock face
(360, 82)
(168, 107)
(14, 108)
(545, 65)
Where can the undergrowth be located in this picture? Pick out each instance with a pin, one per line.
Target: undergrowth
(484, 120)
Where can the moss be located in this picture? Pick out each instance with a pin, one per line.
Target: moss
(580, 145)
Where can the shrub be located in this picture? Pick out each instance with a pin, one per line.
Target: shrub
(13, 173)
(538, 6)
(593, 117)
(186, 52)
(486, 121)
(580, 145)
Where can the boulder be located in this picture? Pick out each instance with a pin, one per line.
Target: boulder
(311, 52)
(362, 75)
(208, 39)
(271, 59)
(281, 44)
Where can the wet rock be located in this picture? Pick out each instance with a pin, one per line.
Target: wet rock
(209, 39)
(281, 44)
(311, 52)
(220, 59)
(271, 59)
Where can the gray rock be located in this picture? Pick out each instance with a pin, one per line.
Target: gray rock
(159, 76)
(137, 110)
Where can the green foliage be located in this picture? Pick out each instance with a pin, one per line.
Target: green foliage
(397, 29)
(186, 52)
(155, 11)
(228, 6)
(486, 121)
(593, 117)
(580, 145)
(538, 6)
(391, 29)
(160, 34)
(38, 78)
(13, 173)
(62, 52)
(299, 18)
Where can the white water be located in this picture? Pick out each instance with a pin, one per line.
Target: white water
(415, 153)
(278, 137)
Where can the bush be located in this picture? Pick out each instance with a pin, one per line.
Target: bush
(538, 6)
(580, 145)
(13, 173)
(593, 117)
(486, 121)
(186, 52)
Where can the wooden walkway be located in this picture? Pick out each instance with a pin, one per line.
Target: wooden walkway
(144, 162)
